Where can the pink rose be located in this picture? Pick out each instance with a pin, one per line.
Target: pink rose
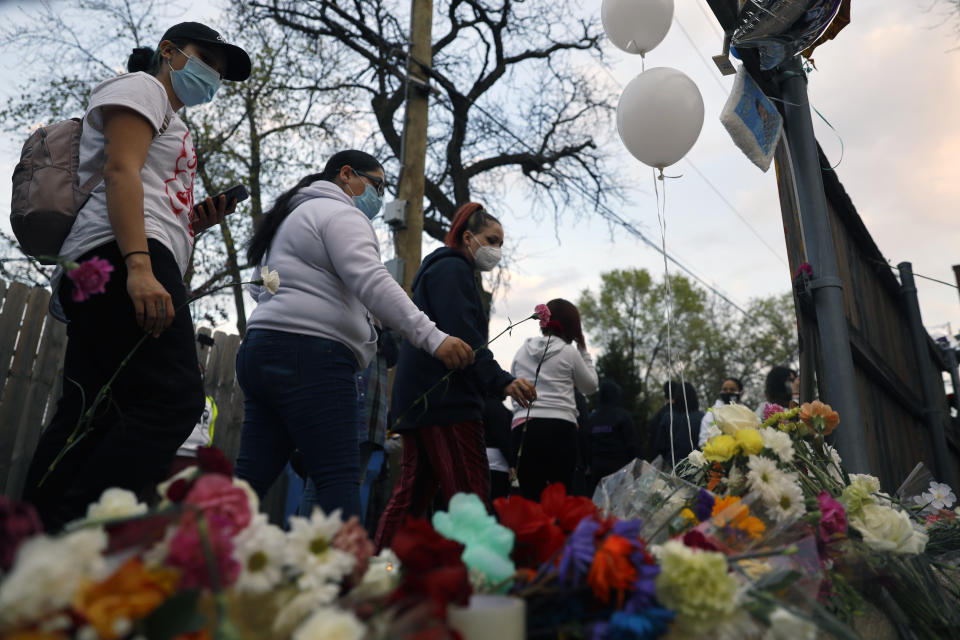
(352, 538)
(833, 518)
(187, 554)
(215, 495)
(543, 313)
(89, 278)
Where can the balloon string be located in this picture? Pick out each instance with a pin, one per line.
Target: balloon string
(662, 223)
(643, 66)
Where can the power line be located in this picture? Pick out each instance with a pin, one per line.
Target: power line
(737, 213)
(610, 214)
(711, 68)
(915, 274)
(710, 19)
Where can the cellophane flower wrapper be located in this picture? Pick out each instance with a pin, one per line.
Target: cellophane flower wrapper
(641, 491)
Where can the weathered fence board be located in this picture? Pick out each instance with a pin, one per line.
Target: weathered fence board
(32, 346)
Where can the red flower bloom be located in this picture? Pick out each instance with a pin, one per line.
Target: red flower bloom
(179, 489)
(833, 517)
(542, 312)
(432, 568)
(89, 278)
(537, 536)
(696, 540)
(212, 460)
(187, 551)
(568, 510)
(18, 521)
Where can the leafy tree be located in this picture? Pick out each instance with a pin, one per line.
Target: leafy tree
(709, 340)
(265, 132)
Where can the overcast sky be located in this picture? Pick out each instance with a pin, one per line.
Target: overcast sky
(889, 84)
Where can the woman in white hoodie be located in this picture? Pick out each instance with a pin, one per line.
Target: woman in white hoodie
(545, 436)
(305, 342)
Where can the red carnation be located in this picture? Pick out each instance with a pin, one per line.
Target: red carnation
(179, 489)
(538, 537)
(432, 568)
(568, 510)
(212, 460)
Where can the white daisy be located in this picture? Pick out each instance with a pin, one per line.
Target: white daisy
(778, 442)
(309, 549)
(787, 504)
(260, 550)
(939, 495)
(764, 477)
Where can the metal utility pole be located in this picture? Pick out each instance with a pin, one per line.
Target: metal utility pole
(837, 379)
(932, 417)
(956, 275)
(413, 150)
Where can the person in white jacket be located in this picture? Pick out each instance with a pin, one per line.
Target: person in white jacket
(545, 434)
(306, 339)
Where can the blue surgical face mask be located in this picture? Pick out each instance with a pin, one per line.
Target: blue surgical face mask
(195, 83)
(369, 202)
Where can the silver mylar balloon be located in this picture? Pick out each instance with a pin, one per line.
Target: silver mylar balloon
(782, 28)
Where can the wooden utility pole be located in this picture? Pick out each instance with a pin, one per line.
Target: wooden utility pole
(413, 152)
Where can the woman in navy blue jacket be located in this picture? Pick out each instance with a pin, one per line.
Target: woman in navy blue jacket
(443, 445)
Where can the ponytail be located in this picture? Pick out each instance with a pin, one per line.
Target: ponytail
(149, 60)
(270, 223)
(470, 217)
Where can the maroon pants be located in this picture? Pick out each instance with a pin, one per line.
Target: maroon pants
(448, 457)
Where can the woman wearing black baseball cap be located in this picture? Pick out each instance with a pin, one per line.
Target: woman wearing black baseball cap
(141, 219)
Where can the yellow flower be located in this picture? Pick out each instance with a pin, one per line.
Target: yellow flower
(750, 441)
(721, 448)
(688, 515)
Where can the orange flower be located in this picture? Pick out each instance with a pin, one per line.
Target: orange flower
(737, 517)
(612, 569)
(130, 593)
(202, 634)
(715, 476)
(819, 415)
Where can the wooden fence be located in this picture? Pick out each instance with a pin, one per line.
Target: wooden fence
(886, 362)
(31, 365)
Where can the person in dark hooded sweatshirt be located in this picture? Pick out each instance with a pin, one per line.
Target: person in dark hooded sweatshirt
(443, 443)
(610, 438)
(683, 407)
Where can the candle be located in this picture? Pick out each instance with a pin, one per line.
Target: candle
(490, 617)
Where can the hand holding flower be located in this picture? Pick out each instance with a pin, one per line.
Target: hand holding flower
(522, 391)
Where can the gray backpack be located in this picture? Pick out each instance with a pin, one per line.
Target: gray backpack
(47, 194)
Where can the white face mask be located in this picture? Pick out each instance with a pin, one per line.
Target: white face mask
(486, 257)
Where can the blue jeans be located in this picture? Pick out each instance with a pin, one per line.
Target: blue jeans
(299, 393)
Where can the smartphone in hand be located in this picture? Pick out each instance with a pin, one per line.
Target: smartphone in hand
(237, 192)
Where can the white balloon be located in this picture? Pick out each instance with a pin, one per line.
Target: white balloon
(659, 116)
(636, 26)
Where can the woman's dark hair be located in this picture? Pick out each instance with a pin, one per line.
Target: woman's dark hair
(777, 386)
(567, 316)
(735, 381)
(688, 405)
(270, 222)
(470, 217)
(146, 59)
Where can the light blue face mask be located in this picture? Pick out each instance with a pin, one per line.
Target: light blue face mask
(196, 83)
(369, 202)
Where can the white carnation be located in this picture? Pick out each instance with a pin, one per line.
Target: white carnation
(116, 503)
(787, 626)
(331, 624)
(886, 529)
(271, 279)
(47, 573)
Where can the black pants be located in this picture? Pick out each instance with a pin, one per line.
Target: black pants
(549, 455)
(499, 484)
(153, 405)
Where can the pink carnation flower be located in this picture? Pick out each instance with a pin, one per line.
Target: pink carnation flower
(770, 408)
(543, 313)
(352, 538)
(833, 518)
(89, 278)
(187, 554)
(216, 495)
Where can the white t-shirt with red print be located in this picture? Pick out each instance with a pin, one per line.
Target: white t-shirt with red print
(167, 174)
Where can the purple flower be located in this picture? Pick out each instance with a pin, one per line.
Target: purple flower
(703, 508)
(578, 552)
(629, 529)
(645, 589)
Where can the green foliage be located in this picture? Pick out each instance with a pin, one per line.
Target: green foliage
(708, 338)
